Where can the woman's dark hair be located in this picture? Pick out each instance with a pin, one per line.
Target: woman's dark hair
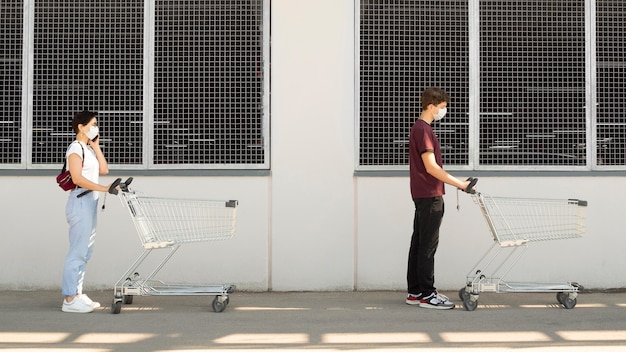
(435, 96)
(82, 118)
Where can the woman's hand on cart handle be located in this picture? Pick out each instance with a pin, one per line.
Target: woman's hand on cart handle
(471, 187)
(115, 186)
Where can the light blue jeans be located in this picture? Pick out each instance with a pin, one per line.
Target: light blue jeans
(81, 214)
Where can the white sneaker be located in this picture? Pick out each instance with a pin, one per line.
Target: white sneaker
(436, 301)
(89, 302)
(77, 305)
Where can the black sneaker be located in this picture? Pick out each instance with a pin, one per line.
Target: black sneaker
(436, 301)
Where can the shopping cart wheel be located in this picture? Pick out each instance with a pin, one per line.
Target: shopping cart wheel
(219, 304)
(561, 296)
(463, 294)
(470, 302)
(128, 299)
(116, 308)
(569, 302)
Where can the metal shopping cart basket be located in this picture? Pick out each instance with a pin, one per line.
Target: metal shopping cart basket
(514, 224)
(166, 224)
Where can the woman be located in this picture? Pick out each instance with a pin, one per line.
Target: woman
(86, 162)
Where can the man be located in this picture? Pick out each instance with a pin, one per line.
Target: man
(427, 179)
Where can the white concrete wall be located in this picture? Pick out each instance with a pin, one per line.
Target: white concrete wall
(312, 144)
(35, 241)
(311, 224)
(385, 213)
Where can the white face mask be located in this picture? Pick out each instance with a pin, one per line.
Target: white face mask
(440, 114)
(93, 132)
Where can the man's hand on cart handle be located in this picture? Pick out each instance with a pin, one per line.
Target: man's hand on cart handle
(471, 187)
(114, 188)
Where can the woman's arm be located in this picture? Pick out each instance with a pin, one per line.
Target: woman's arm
(102, 161)
(76, 170)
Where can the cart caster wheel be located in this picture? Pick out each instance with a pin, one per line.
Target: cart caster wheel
(219, 305)
(128, 299)
(116, 308)
(560, 297)
(569, 303)
(470, 304)
(463, 294)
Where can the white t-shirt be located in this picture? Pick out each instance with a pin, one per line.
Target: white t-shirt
(91, 167)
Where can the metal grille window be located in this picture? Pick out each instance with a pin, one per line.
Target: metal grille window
(532, 83)
(11, 91)
(209, 90)
(405, 46)
(611, 82)
(536, 69)
(88, 55)
(176, 84)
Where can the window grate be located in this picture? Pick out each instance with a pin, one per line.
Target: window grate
(406, 46)
(208, 106)
(11, 89)
(88, 54)
(611, 78)
(532, 87)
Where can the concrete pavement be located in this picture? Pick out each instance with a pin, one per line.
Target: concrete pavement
(318, 321)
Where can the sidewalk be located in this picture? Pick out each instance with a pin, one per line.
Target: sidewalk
(315, 321)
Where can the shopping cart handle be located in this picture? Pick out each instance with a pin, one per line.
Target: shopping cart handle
(470, 188)
(124, 185)
(113, 186)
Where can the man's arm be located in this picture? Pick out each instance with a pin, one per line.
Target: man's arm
(437, 172)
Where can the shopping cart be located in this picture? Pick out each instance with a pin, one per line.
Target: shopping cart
(514, 224)
(167, 223)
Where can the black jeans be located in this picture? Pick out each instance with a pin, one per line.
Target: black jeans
(424, 241)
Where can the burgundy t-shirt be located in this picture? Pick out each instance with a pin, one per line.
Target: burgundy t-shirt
(422, 139)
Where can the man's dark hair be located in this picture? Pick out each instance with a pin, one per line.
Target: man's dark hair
(82, 118)
(435, 96)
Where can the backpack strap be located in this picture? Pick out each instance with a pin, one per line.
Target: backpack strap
(68, 148)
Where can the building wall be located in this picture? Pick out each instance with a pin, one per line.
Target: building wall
(312, 144)
(311, 224)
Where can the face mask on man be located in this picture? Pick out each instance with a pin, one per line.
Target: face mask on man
(440, 114)
(93, 132)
